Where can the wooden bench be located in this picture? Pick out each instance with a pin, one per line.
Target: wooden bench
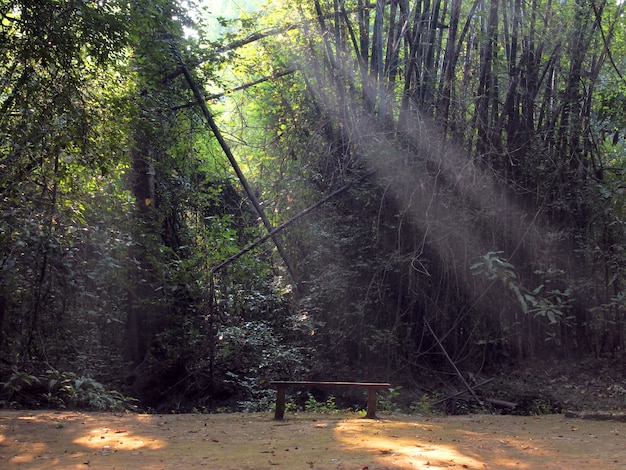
(281, 387)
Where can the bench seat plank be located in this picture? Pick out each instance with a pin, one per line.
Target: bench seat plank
(330, 384)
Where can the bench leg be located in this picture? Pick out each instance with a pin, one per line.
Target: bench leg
(371, 403)
(280, 402)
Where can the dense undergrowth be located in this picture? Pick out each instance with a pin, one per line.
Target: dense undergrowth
(542, 388)
(64, 390)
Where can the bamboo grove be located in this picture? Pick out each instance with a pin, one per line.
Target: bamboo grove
(489, 135)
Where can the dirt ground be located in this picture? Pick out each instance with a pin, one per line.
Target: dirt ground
(73, 440)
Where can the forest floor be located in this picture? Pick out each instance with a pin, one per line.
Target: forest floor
(591, 385)
(73, 440)
(47, 439)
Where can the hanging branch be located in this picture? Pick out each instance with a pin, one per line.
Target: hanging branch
(285, 225)
(458, 372)
(238, 88)
(454, 395)
(231, 158)
(605, 40)
(230, 47)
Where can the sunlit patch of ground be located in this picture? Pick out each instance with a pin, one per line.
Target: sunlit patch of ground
(48, 440)
(68, 440)
(110, 440)
(403, 444)
(483, 441)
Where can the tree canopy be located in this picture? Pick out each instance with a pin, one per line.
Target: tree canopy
(335, 189)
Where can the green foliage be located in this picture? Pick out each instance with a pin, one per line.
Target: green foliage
(250, 355)
(63, 130)
(327, 406)
(423, 406)
(67, 390)
(19, 381)
(117, 202)
(60, 390)
(388, 399)
(551, 304)
(256, 397)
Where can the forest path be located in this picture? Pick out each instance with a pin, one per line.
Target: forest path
(74, 440)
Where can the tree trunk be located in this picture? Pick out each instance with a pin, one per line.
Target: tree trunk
(487, 103)
(141, 314)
